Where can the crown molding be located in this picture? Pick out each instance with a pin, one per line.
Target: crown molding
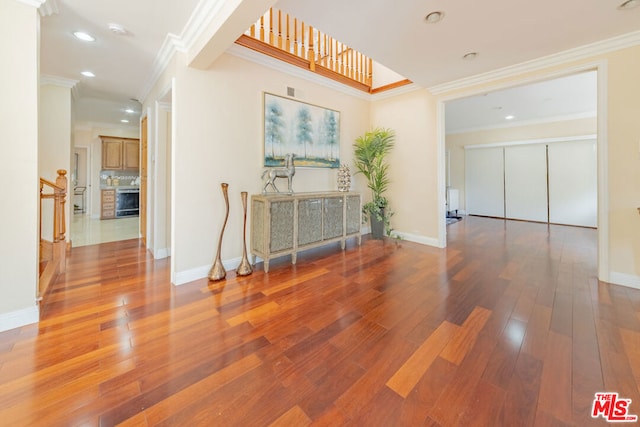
(34, 3)
(583, 52)
(90, 126)
(170, 46)
(521, 123)
(46, 79)
(412, 87)
(48, 8)
(292, 70)
(560, 139)
(201, 16)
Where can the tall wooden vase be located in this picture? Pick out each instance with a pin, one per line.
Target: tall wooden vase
(217, 271)
(245, 268)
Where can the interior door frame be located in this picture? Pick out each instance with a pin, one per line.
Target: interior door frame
(476, 87)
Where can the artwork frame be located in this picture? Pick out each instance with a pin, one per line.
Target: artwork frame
(310, 132)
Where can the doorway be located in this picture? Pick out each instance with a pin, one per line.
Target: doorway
(597, 91)
(500, 144)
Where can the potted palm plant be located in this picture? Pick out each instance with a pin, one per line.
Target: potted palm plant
(370, 152)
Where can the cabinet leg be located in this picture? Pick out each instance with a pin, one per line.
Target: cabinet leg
(343, 244)
(359, 239)
(253, 260)
(294, 258)
(266, 265)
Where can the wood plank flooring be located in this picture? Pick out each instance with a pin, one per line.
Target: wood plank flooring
(507, 326)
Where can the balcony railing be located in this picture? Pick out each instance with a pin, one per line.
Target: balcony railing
(286, 38)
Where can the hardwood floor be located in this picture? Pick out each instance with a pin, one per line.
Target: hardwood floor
(507, 326)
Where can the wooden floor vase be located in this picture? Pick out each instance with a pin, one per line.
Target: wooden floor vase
(244, 268)
(217, 271)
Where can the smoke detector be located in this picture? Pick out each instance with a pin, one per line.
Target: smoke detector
(117, 29)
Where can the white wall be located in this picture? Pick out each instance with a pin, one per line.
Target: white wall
(414, 164)
(217, 117)
(19, 145)
(618, 133)
(54, 148)
(456, 142)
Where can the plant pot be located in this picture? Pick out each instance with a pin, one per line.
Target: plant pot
(377, 227)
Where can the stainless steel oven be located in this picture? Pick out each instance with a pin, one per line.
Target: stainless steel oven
(127, 202)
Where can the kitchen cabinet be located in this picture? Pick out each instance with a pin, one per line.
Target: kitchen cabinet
(120, 153)
(286, 224)
(107, 204)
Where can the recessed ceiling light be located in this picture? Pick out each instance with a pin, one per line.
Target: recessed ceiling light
(509, 117)
(87, 74)
(84, 36)
(434, 17)
(124, 121)
(470, 56)
(129, 110)
(629, 4)
(117, 29)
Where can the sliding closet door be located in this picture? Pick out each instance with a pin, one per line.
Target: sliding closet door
(484, 179)
(573, 183)
(525, 177)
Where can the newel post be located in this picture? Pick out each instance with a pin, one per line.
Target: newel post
(59, 226)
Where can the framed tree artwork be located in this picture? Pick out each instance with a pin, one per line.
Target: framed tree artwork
(310, 132)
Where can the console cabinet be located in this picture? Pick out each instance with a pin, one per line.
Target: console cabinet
(286, 224)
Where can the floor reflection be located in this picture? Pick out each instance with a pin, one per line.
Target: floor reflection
(91, 231)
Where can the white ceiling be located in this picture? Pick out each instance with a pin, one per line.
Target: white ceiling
(563, 98)
(503, 33)
(121, 63)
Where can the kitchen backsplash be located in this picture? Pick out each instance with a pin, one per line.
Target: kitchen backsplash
(115, 178)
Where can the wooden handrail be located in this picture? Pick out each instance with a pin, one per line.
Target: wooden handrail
(318, 51)
(59, 199)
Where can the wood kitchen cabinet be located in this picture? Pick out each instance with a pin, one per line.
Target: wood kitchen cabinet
(120, 153)
(107, 204)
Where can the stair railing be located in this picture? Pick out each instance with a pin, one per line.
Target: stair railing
(294, 42)
(53, 255)
(58, 195)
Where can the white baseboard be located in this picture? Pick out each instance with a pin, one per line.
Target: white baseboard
(201, 272)
(429, 241)
(623, 279)
(19, 318)
(162, 253)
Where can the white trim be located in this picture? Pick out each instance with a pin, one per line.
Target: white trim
(622, 279)
(521, 123)
(401, 90)
(292, 70)
(533, 141)
(19, 318)
(441, 179)
(202, 15)
(278, 65)
(201, 272)
(602, 145)
(170, 46)
(46, 79)
(91, 125)
(557, 59)
(34, 3)
(416, 238)
(48, 8)
(603, 173)
(162, 253)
